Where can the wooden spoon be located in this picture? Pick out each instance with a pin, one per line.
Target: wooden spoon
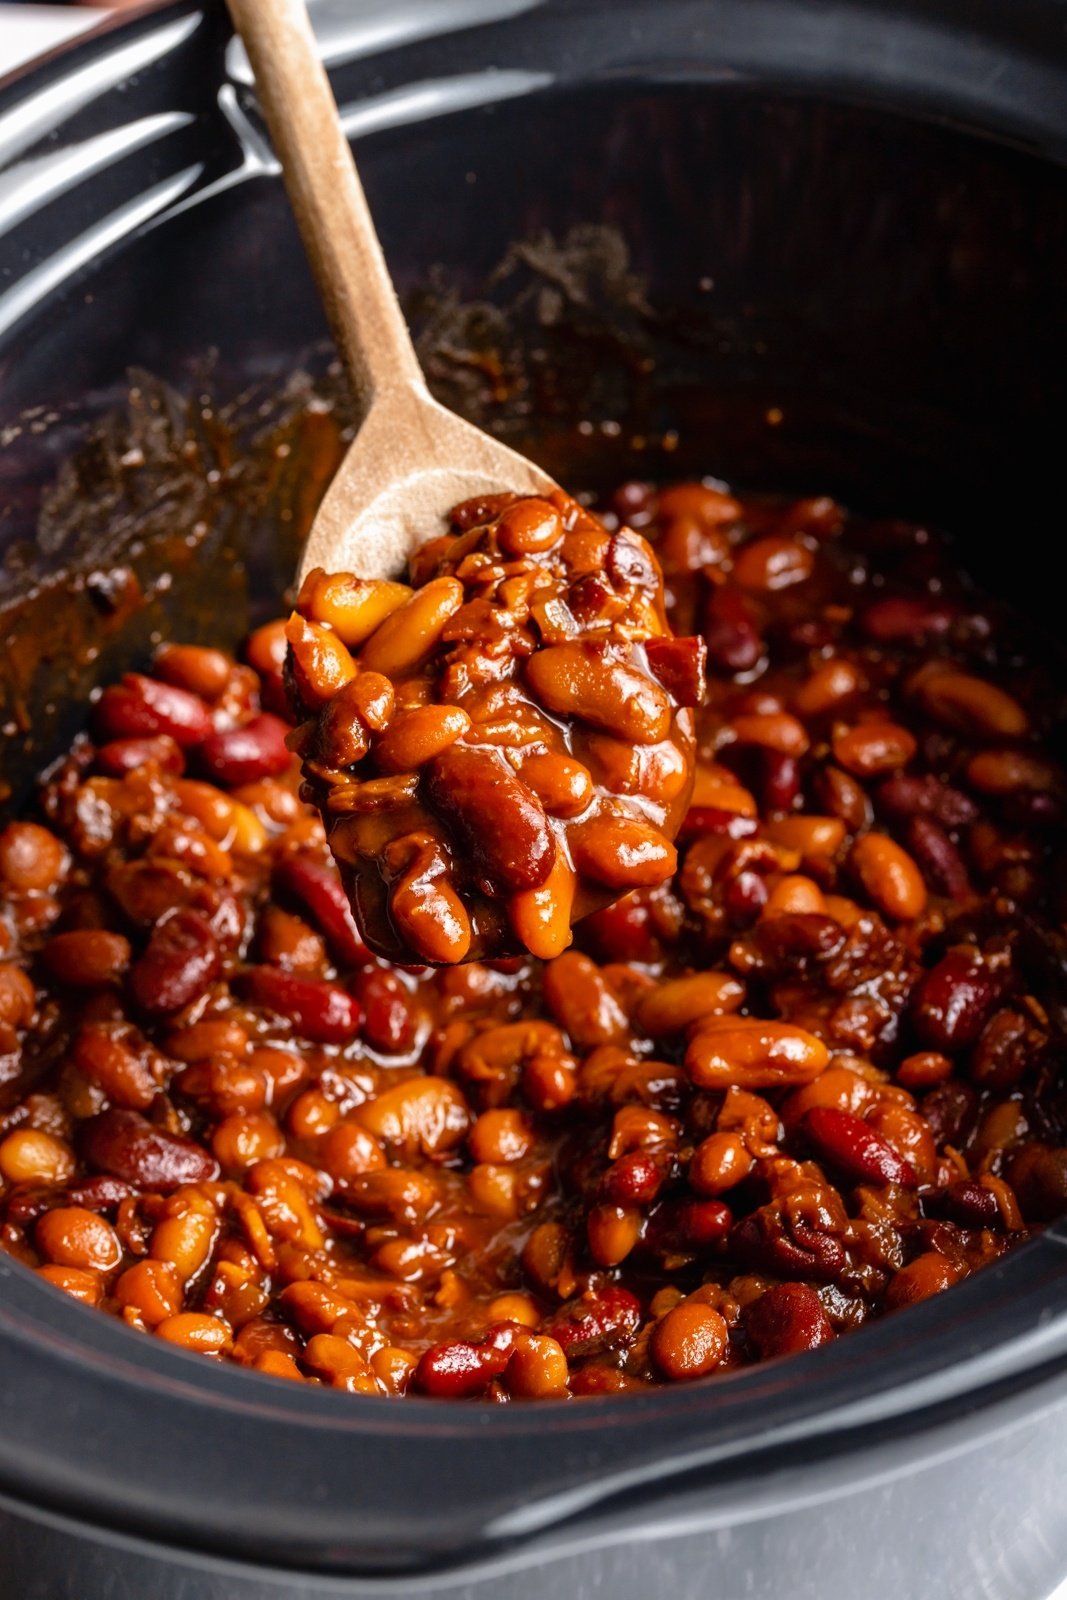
(413, 459)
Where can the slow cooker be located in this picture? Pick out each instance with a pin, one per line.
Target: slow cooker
(818, 243)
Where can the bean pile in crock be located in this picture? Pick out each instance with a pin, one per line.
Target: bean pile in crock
(506, 747)
(813, 1077)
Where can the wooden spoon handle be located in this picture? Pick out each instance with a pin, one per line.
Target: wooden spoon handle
(326, 195)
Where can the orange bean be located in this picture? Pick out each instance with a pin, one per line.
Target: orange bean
(609, 694)
(151, 1288)
(353, 607)
(30, 1155)
(889, 876)
(674, 1005)
(71, 1236)
(193, 1330)
(689, 1341)
(972, 706)
(750, 1054)
(415, 737)
(872, 748)
(408, 635)
(772, 563)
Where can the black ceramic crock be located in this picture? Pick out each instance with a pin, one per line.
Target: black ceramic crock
(846, 223)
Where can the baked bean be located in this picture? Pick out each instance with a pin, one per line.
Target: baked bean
(425, 1114)
(719, 1163)
(151, 1288)
(889, 876)
(81, 1283)
(18, 998)
(828, 687)
(87, 958)
(536, 1369)
(192, 1330)
(972, 706)
(500, 1135)
(689, 1342)
(873, 748)
(353, 607)
(621, 852)
(415, 737)
(928, 1274)
(32, 860)
(674, 1006)
(202, 671)
(611, 695)
(70, 1236)
(30, 1155)
(749, 1054)
(773, 564)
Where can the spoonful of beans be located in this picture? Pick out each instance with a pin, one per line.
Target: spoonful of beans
(495, 718)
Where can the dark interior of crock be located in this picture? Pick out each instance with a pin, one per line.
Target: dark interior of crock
(885, 291)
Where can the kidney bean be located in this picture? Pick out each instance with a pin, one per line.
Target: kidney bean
(121, 756)
(854, 1149)
(843, 797)
(182, 957)
(102, 1194)
(700, 821)
(389, 1024)
(702, 1224)
(595, 1322)
(635, 1179)
(951, 1002)
(501, 822)
(786, 1319)
(905, 796)
(941, 863)
(459, 1370)
(248, 753)
(969, 1204)
(679, 665)
(899, 620)
(787, 1246)
(319, 889)
(141, 708)
(951, 1110)
(779, 782)
(744, 898)
(1008, 1047)
(124, 1145)
(731, 632)
(322, 1012)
